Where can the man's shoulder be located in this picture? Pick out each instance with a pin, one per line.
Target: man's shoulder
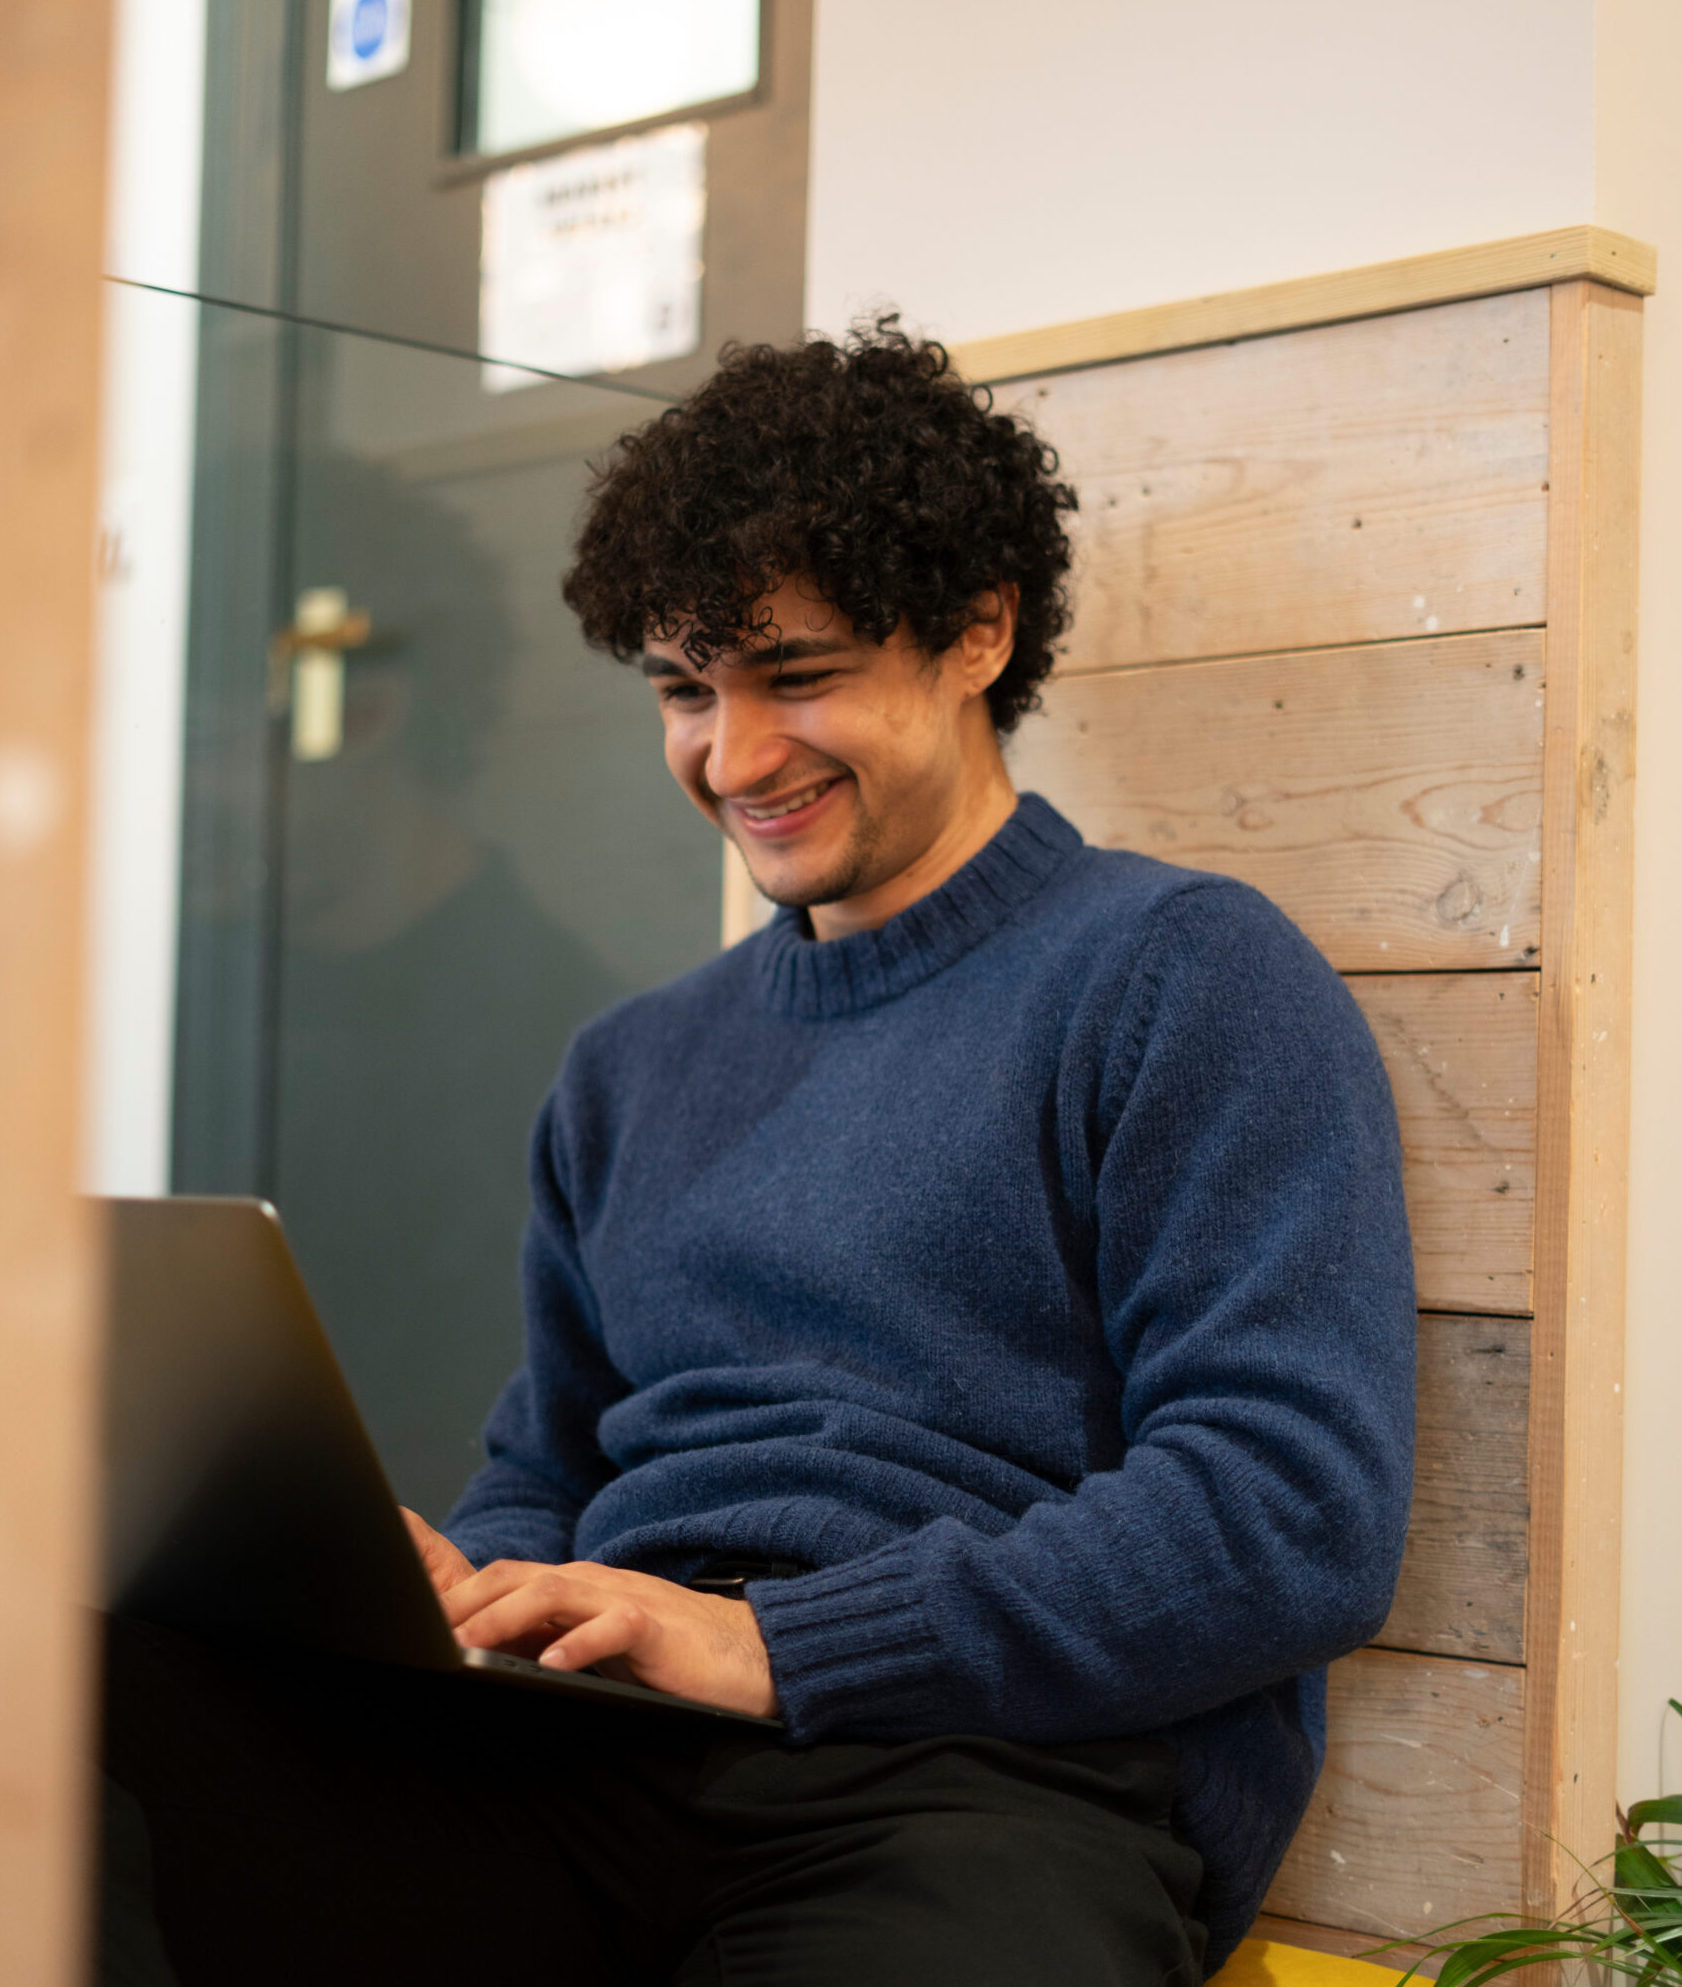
(1116, 904)
(1122, 934)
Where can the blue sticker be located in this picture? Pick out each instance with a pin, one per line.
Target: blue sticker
(367, 27)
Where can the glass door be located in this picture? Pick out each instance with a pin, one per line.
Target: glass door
(430, 834)
(425, 833)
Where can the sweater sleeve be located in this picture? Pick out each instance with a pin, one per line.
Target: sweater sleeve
(1256, 1286)
(544, 1460)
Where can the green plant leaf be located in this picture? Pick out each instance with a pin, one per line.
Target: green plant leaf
(1667, 1810)
(1627, 1929)
(1490, 1918)
(1494, 1953)
(1635, 1866)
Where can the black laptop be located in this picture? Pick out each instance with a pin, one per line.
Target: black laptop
(243, 1499)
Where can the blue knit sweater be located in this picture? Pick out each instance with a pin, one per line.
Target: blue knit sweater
(1035, 1269)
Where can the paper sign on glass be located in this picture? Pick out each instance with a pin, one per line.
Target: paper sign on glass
(591, 261)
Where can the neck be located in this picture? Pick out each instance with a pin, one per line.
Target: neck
(965, 833)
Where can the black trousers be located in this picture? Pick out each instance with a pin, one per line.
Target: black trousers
(323, 1822)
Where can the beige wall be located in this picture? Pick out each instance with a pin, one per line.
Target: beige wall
(1638, 189)
(1073, 157)
(1012, 164)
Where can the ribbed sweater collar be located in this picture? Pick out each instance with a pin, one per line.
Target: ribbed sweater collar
(823, 980)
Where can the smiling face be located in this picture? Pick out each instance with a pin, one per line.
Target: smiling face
(854, 776)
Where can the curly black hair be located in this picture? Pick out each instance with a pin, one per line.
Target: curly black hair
(868, 467)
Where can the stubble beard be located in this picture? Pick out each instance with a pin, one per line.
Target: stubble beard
(846, 877)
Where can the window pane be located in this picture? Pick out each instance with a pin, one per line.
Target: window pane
(549, 69)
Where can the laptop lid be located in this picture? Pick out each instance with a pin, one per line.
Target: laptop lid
(243, 1498)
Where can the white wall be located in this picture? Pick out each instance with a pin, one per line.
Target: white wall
(145, 526)
(1017, 165)
(1009, 164)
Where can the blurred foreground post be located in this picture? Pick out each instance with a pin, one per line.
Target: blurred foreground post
(53, 61)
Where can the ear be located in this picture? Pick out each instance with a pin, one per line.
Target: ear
(985, 646)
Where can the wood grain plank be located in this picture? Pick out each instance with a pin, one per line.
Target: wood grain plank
(1460, 1051)
(742, 909)
(1388, 797)
(1481, 269)
(53, 124)
(1583, 1088)
(1363, 482)
(1415, 1820)
(1463, 1576)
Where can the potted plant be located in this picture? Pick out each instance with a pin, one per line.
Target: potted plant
(1631, 1926)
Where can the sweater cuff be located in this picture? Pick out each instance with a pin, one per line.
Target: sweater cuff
(853, 1650)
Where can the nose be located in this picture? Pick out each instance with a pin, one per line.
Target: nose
(745, 749)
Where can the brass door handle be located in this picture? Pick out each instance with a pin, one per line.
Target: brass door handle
(353, 632)
(307, 668)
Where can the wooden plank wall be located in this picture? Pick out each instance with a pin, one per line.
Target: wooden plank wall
(1320, 583)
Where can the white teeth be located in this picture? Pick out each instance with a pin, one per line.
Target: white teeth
(786, 806)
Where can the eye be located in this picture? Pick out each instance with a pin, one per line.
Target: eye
(796, 680)
(682, 691)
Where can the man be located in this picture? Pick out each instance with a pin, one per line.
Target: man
(971, 1319)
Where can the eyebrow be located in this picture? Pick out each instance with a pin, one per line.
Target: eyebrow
(801, 648)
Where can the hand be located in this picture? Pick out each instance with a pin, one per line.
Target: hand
(628, 1625)
(445, 1566)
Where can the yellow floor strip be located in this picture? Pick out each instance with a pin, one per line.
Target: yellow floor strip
(1266, 1963)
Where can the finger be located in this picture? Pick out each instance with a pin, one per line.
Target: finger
(446, 1565)
(623, 1629)
(425, 1540)
(505, 1576)
(545, 1599)
(502, 1576)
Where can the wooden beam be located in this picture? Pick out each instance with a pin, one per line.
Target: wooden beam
(1484, 269)
(53, 56)
(1582, 1088)
(744, 910)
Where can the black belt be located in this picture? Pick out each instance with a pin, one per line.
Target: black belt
(730, 1573)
